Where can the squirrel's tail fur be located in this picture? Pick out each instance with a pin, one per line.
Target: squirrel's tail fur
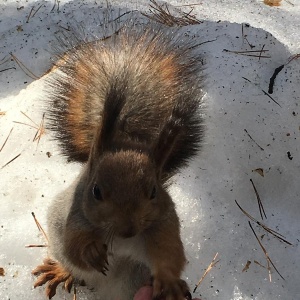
(155, 74)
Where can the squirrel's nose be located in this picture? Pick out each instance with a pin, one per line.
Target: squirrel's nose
(128, 232)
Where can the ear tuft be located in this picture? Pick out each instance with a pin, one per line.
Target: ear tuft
(113, 105)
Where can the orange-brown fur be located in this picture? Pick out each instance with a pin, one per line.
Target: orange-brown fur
(75, 115)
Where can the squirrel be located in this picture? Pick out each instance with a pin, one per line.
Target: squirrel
(129, 108)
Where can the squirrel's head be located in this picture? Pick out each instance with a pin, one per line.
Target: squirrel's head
(124, 194)
(125, 186)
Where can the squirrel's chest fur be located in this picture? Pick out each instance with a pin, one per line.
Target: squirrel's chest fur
(132, 248)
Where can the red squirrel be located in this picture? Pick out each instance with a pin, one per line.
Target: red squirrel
(129, 108)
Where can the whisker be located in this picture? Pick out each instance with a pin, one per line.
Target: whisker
(109, 235)
(113, 231)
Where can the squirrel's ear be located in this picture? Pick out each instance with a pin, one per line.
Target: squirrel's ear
(97, 145)
(166, 144)
(113, 105)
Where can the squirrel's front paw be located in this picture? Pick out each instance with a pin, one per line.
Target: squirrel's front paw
(170, 289)
(95, 256)
(52, 273)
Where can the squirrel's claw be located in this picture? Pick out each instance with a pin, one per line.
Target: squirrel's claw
(68, 284)
(96, 257)
(52, 273)
(170, 289)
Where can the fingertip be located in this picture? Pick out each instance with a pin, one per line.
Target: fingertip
(144, 293)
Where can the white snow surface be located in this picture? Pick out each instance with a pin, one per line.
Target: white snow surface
(236, 100)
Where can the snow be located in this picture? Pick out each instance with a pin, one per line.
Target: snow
(204, 193)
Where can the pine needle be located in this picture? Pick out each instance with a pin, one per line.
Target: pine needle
(296, 56)
(252, 139)
(265, 227)
(11, 161)
(252, 53)
(258, 263)
(40, 128)
(6, 140)
(211, 265)
(36, 11)
(269, 261)
(161, 14)
(23, 67)
(29, 14)
(40, 228)
(260, 205)
(32, 14)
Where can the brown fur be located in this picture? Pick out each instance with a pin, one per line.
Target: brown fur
(130, 108)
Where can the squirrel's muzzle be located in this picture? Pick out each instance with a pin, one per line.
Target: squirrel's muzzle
(128, 231)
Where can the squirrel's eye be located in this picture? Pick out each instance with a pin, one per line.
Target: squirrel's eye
(153, 193)
(96, 192)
